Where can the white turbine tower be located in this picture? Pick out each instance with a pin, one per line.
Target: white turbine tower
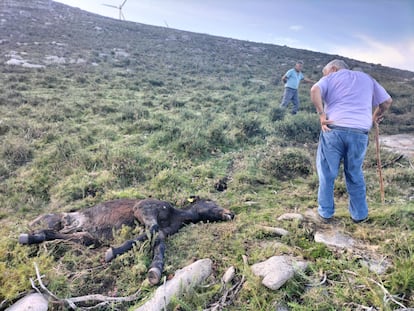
(121, 15)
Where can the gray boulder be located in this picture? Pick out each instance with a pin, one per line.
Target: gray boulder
(31, 302)
(277, 270)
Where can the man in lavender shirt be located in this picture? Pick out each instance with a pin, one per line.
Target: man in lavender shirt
(344, 100)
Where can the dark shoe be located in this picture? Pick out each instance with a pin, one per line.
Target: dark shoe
(325, 220)
(360, 221)
(316, 218)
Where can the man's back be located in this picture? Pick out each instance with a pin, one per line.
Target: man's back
(349, 97)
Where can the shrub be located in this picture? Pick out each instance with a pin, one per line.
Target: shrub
(129, 167)
(300, 128)
(162, 183)
(132, 112)
(81, 185)
(287, 163)
(4, 127)
(192, 144)
(277, 114)
(250, 126)
(65, 149)
(154, 82)
(5, 171)
(38, 182)
(165, 135)
(16, 152)
(256, 105)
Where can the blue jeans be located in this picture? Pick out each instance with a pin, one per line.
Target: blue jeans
(290, 95)
(349, 145)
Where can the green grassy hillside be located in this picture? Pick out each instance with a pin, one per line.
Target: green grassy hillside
(93, 109)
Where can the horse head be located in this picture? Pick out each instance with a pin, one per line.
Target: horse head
(207, 210)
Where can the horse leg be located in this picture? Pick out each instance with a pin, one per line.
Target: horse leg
(112, 252)
(41, 236)
(157, 265)
(35, 238)
(84, 238)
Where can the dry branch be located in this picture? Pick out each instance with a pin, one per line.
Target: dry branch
(228, 296)
(393, 161)
(88, 298)
(387, 295)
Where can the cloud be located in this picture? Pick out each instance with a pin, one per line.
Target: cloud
(397, 54)
(296, 27)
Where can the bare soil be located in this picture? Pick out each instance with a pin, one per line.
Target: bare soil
(400, 143)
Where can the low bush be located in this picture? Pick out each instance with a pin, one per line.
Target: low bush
(129, 166)
(81, 185)
(277, 114)
(287, 163)
(300, 128)
(16, 152)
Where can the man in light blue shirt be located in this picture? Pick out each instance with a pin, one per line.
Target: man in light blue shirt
(292, 79)
(344, 100)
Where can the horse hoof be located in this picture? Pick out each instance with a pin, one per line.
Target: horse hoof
(154, 276)
(109, 255)
(24, 238)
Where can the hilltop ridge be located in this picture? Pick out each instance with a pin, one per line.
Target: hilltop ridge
(44, 33)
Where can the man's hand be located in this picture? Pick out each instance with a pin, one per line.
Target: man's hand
(324, 123)
(316, 98)
(378, 115)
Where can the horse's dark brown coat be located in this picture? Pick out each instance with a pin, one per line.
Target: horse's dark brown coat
(95, 225)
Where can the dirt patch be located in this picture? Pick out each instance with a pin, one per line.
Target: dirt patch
(400, 143)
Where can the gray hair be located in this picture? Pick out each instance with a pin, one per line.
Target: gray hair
(338, 63)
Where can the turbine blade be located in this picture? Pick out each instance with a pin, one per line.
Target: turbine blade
(110, 5)
(123, 3)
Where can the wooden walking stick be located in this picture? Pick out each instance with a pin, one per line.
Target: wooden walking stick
(379, 165)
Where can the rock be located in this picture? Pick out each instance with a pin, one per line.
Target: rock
(228, 276)
(377, 266)
(15, 62)
(277, 270)
(29, 65)
(291, 216)
(183, 279)
(31, 302)
(53, 59)
(334, 238)
(273, 230)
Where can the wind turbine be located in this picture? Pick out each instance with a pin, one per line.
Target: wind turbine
(121, 15)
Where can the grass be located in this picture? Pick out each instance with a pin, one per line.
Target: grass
(169, 122)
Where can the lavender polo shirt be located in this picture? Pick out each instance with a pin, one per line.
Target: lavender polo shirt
(349, 96)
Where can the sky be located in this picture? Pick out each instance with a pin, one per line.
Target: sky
(374, 31)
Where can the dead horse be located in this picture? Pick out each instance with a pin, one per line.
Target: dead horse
(96, 223)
